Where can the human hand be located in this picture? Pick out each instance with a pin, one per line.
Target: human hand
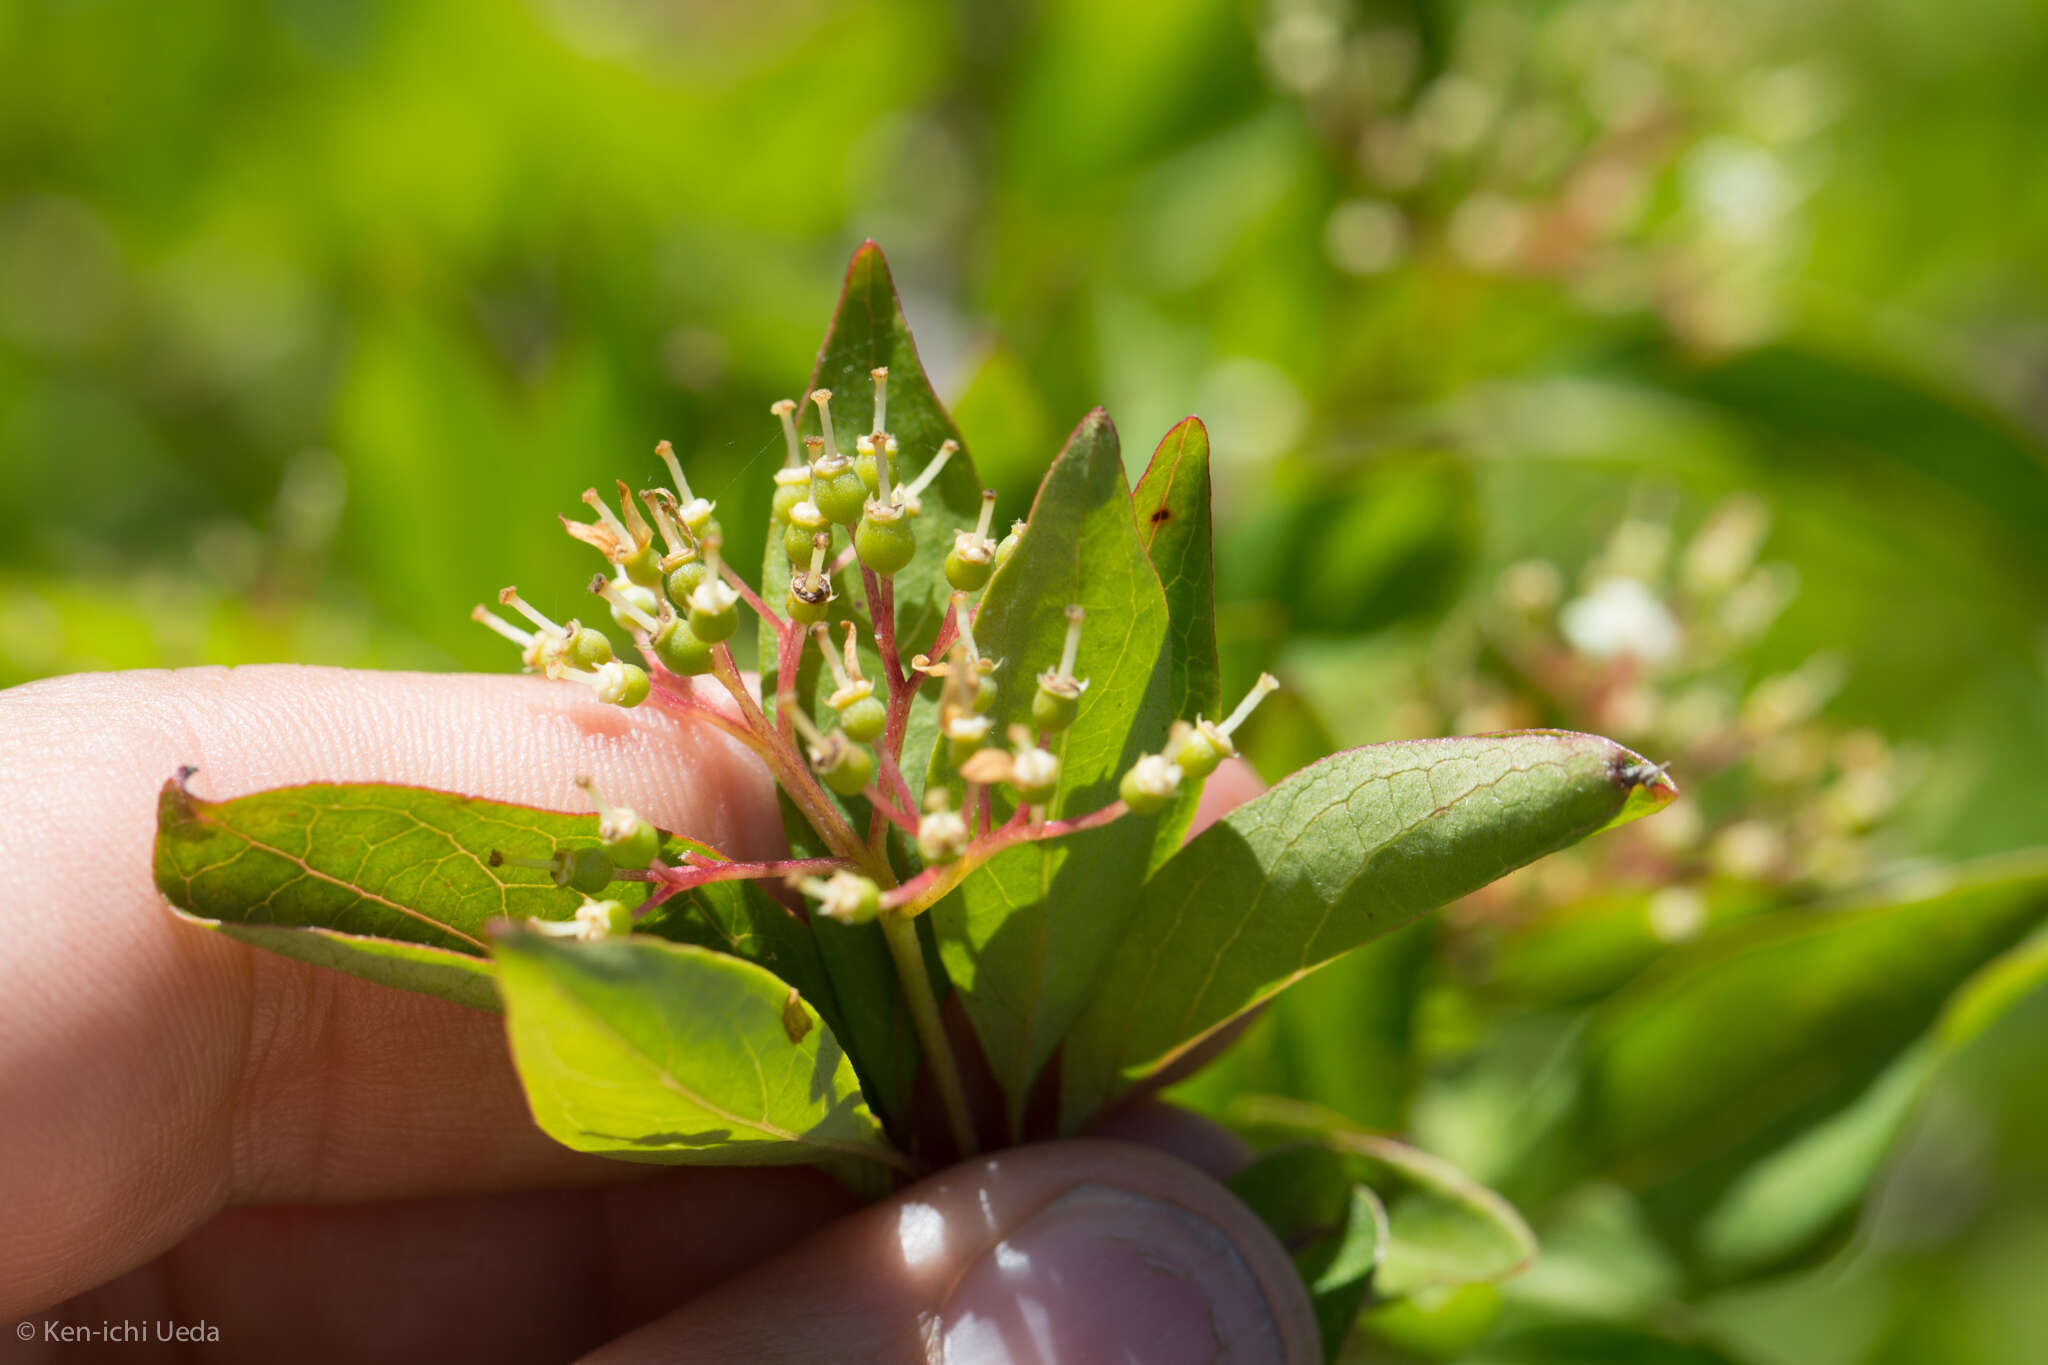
(194, 1131)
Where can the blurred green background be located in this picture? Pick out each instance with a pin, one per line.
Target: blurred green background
(1670, 368)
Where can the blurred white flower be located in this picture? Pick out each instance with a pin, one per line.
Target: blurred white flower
(1619, 617)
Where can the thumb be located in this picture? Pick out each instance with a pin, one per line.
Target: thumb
(1067, 1252)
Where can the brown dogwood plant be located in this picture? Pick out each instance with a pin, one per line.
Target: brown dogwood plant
(989, 736)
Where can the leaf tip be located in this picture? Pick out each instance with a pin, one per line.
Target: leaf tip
(1649, 786)
(175, 804)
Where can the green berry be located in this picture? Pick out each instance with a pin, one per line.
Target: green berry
(966, 574)
(865, 463)
(804, 608)
(839, 494)
(681, 651)
(792, 486)
(1007, 546)
(634, 849)
(589, 870)
(682, 581)
(1053, 708)
(642, 598)
(643, 566)
(805, 521)
(1139, 799)
(614, 915)
(1197, 754)
(849, 769)
(863, 718)
(636, 686)
(588, 649)
(886, 544)
(714, 623)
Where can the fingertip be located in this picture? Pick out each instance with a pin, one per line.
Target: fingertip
(1083, 1250)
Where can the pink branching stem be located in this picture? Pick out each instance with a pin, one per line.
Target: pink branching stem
(789, 657)
(882, 608)
(791, 772)
(928, 887)
(898, 816)
(753, 599)
(988, 811)
(676, 695)
(897, 787)
(949, 630)
(842, 562)
(674, 879)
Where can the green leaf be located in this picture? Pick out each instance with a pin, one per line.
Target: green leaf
(1779, 1014)
(1334, 1228)
(1789, 1199)
(650, 1051)
(1443, 1227)
(1026, 933)
(349, 875)
(741, 920)
(409, 966)
(1448, 1229)
(1173, 522)
(1342, 852)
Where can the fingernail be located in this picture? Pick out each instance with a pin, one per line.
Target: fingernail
(1105, 1274)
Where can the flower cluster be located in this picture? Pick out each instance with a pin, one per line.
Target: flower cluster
(848, 522)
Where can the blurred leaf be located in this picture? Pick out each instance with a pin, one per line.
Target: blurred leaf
(1787, 1200)
(1173, 522)
(1338, 854)
(1026, 934)
(342, 875)
(1443, 1229)
(1772, 1016)
(1599, 1344)
(1992, 993)
(650, 1051)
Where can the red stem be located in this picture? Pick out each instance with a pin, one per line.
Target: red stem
(882, 607)
(791, 771)
(675, 879)
(927, 887)
(753, 600)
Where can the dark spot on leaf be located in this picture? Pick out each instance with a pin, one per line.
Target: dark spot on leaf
(1163, 514)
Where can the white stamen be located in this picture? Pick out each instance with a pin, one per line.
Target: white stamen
(500, 626)
(1263, 688)
(925, 476)
(882, 493)
(510, 597)
(617, 600)
(610, 519)
(852, 655)
(821, 545)
(1072, 648)
(613, 822)
(880, 375)
(988, 513)
(963, 623)
(823, 398)
(679, 546)
(823, 635)
(792, 455)
(608, 680)
(675, 471)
